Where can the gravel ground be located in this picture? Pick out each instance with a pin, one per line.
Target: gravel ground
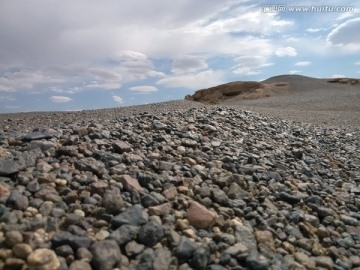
(310, 100)
(177, 185)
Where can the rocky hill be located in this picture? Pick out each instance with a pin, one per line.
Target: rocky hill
(274, 86)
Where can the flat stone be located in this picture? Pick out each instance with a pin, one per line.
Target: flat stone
(129, 182)
(160, 210)
(38, 135)
(121, 147)
(67, 238)
(9, 166)
(289, 198)
(199, 216)
(134, 215)
(90, 164)
(324, 261)
(124, 234)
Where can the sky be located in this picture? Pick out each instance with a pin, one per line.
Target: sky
(90, 54)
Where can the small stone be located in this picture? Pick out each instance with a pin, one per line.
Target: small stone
(64, 251)
(84, 254)
(199, 216)
(151, 233)
(237, 249)
(170, 192)
(22, 251)
(43, 259)
(289, 198)
(162, 259)
(80, 265)
(160, 210)
(349, 220)
(67, 238)
(106, 254)
(134, 215)
(124, 234)
(324, 261)
(121, 147)
(133, 248)
(13, 237)
(14, 263)
(102, 235)
(185, 249)
(113, 203)
(305, 260)
(129, 182)
(190, 233)
(265, 238)
(200, 258)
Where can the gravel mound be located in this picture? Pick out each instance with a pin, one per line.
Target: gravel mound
(177, 186)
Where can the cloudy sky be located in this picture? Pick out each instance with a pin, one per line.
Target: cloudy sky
(87, 54)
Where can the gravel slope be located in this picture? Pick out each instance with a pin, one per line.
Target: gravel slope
(182, 185)
(310, 100)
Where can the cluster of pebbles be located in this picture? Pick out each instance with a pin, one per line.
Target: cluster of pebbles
(188, 188)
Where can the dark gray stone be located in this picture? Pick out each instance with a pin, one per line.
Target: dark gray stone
(106, 255)
(125, 234)
(67, 238)
(200, 258)
(289, 198)
(38, 135)
(21, 161)
(185, 249)
(134, 215)
(151, 233)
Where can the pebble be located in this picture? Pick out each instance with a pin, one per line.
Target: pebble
(106, 254)
(43, 259)
(199, 216)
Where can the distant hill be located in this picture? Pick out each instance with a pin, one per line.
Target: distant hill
(274, 86)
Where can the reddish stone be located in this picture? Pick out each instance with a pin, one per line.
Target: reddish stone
(160, 210)
(199, 216)
(128, 182)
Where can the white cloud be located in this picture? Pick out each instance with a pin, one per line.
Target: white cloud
(250, 65)
(294, 71)
(188, 63)
(338, 76)
(11, 81)
(357, 63)
(249, 19)
(118, 99)
(315, 30)
(60, 99)
(285, 51)
(199, 80)
(302, 64)
(346, 34)
(144, 89)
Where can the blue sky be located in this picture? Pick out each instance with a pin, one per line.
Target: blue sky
(88, 54)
